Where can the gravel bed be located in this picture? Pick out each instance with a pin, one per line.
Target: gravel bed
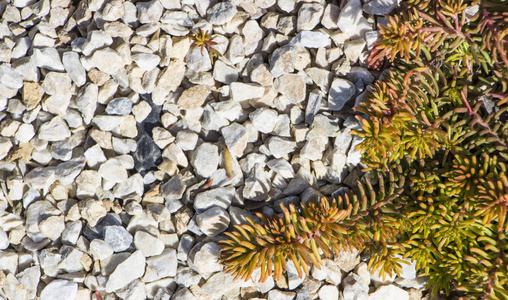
(112, 133)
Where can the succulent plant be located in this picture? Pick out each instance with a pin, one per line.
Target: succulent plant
(204, 40)
(435, 138)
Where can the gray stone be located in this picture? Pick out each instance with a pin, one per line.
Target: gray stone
(119, 106)
(280, 295)
(282, 167)
(302, 180)
(118, 238)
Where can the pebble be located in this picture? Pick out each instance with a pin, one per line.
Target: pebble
(341, 91)
(311, 39)
(161, 266)
(107, 60)
(219, 197)
(205, 159)
(131, 268)
(389, 292)
(245, 91)
(54, 130)
(221, 13)
(213, 221)
(10, 78)
(118, 238)
(309, 16)
(235, 137)
(279, 147)
(113, 170)
(119, 106)
(148, 244)
(59, 290)
(291, 86)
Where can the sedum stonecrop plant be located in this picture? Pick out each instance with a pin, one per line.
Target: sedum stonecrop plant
(435, 141)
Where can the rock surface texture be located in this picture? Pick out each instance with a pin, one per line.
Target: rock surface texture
(114, 129)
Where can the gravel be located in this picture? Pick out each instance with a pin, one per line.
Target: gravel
(112, 134)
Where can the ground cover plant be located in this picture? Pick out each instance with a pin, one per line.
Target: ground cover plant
(435, 145)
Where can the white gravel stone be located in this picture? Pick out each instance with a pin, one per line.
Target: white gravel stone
(380, 7)
(351, 20)
(149, 12)
(107, 60)
(281, 295)
(131, 268)
(52, 227)
(213, 221)
(389, 292)
(9, 77)
(311, 39)
(113, 170)
(100, 249)
(264, 119)
(146, 61)
(279, 147)
(205, 159)
(198, 62)
(221, 13)
(5, 146)
(204, 259)
(148, 244)
(59, 290)
(331, 17)
(341, 91)
(220, 197)
(245, 91)
(161, 266)
(48, 58)
(309, 16)
(328, 292)
(118, 238)
(54, 130)
(235, 137)
(224, 73)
